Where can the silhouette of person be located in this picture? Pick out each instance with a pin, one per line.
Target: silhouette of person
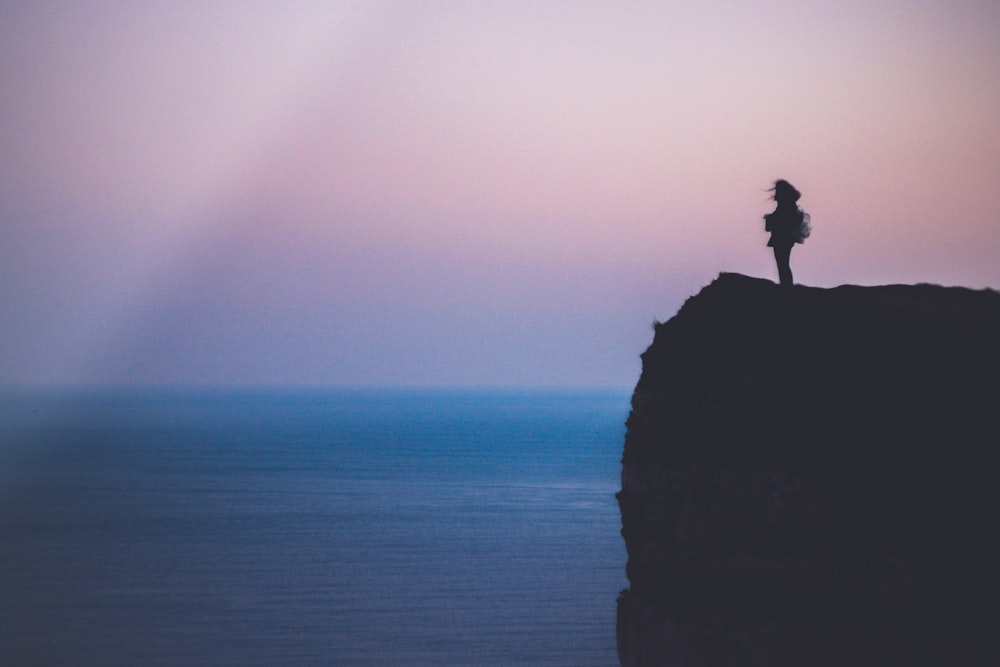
(785, 224)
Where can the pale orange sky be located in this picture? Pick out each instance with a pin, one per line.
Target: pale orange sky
(464, 193)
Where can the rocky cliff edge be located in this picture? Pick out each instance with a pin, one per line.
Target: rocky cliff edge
(810, 477)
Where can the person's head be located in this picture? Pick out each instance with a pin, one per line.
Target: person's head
(785, 192)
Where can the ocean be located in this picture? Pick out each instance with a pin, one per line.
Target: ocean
(310, 527)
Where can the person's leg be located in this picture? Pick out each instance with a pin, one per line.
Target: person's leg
(783, 255)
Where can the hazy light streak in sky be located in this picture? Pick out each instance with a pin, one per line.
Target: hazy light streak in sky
(472, 193)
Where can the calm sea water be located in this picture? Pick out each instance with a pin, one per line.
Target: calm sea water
(310, 527)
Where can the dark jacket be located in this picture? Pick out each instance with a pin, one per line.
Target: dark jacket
(783, 223)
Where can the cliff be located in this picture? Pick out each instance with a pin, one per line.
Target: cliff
(810, 477)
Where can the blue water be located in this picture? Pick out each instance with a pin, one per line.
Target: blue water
(370, 527)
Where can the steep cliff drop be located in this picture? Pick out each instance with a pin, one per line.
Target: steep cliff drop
(812, 477)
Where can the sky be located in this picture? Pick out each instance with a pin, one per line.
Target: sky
(464, 193)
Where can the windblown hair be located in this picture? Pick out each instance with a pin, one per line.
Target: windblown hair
(784, 192)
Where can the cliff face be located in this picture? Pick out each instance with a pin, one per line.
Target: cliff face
(810, 477)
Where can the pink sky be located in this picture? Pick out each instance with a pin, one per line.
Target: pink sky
(464, 193)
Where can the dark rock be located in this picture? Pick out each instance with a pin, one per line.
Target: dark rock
(810, 477)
